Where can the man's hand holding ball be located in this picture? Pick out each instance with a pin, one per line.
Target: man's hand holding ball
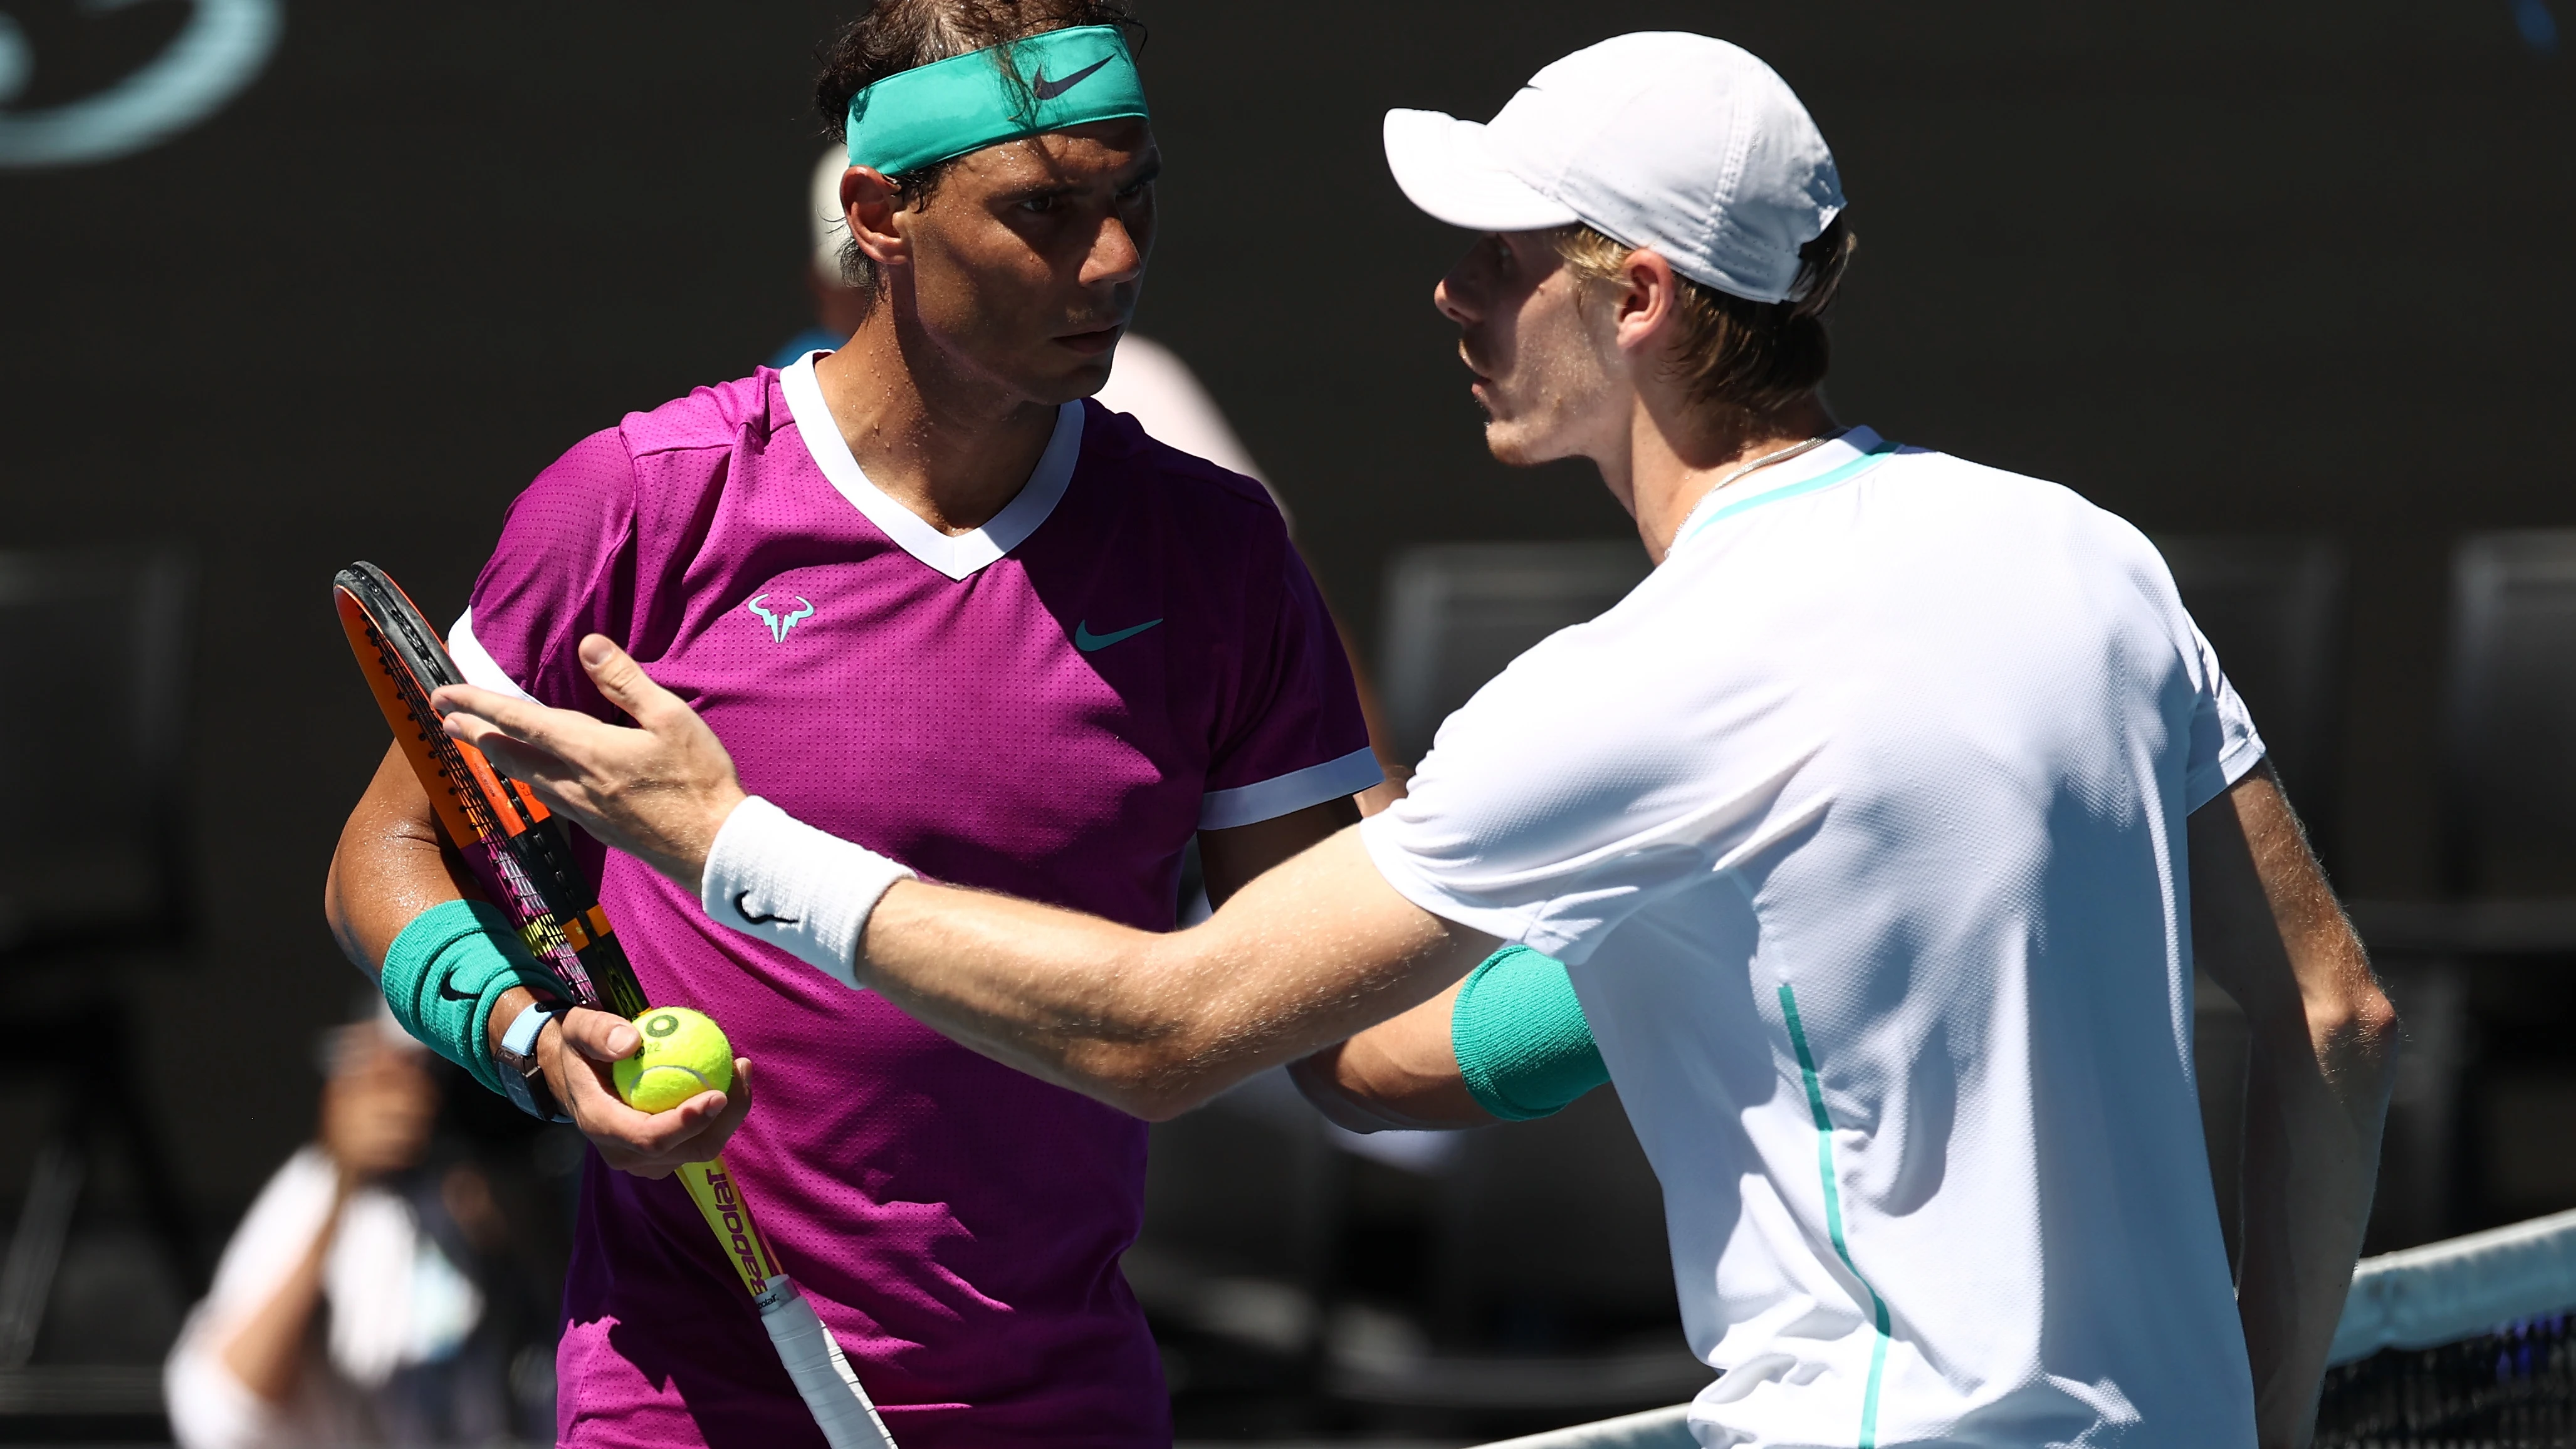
(586, 1053)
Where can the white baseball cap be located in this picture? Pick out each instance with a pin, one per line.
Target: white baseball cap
(1660, 139)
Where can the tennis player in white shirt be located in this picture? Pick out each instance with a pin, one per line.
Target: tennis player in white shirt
(1880, 830)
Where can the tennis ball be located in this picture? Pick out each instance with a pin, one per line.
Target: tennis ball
(683, 1054)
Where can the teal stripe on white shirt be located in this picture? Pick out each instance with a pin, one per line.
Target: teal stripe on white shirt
(1853, 468)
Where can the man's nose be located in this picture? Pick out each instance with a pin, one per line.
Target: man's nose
(1115, 257)
(1449, 296)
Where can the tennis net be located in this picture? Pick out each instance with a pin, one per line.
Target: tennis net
(2464, 1344)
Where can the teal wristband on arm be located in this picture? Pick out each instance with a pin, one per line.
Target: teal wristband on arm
(1522, 1043)
(445, 972)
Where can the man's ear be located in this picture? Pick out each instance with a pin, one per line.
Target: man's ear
(1649, 295)
(869, 202)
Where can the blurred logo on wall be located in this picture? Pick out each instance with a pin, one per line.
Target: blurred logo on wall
(218, 51)
(2539, 28)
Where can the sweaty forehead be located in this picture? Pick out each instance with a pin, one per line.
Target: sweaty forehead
(1075, 156)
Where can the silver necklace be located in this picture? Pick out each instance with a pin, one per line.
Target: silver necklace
(1783, 456)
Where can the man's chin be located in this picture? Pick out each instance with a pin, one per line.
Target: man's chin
(1064, 384)
(1513, 446)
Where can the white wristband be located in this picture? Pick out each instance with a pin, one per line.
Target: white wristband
(774, 877)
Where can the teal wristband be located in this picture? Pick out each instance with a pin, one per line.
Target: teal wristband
(444, 973)
(1522, 1043)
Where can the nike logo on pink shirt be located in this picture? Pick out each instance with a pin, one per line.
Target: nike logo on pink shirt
(1090, 643)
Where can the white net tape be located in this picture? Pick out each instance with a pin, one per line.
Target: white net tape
(2416, 1298)
(2463, 1286)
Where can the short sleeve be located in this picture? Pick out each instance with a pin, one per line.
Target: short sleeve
(1559, 801)
(1295, 736)
(2224, 744)
(564, 569)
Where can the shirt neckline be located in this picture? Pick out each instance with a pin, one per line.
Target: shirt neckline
(1854, 446)
(957, 556)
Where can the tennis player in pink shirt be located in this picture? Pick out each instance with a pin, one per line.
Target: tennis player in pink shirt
(936, 601)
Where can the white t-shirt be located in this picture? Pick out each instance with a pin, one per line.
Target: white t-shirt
(394, 1301)
(1861, 826)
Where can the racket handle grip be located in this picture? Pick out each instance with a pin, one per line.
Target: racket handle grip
(822, 1374)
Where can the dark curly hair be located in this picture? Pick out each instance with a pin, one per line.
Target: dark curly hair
(901, 35)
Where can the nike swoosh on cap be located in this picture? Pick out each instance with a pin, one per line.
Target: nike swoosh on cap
(1047, 90)
(1090, 643)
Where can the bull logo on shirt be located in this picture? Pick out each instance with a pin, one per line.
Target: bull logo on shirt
(779, 624)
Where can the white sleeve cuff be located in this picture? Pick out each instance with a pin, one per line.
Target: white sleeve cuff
(2215, 779)
(773, 877)
(476, 662)
(1269, 799)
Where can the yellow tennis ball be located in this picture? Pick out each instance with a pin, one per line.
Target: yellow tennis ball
(683, 1054)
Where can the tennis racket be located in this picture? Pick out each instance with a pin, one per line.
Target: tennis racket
(525, 864)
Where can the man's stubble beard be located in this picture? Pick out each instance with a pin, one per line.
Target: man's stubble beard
(1538, 402)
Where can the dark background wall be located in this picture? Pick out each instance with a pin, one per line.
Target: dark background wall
(2302, 267)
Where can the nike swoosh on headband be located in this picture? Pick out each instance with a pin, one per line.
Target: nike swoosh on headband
(1050, 82)
(1090, 643)
(1047, 90)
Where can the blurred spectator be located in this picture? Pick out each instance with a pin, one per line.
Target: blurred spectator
(1151, 382)
(838, 306)
(356, 1303)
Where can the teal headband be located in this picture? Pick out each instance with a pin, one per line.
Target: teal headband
(929, 114)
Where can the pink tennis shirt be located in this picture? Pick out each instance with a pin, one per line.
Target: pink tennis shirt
(1130, 652)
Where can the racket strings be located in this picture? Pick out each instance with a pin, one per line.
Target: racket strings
(601, 964)
(547, 887)
(539, 921)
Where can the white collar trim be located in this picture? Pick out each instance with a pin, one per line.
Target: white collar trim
(958, 556)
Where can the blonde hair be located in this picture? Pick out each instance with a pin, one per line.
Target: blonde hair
(1730, 352)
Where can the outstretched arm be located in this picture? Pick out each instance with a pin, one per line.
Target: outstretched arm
(1507, 1044)
(2265, 925)
(1402, 1073)
(1302, 957)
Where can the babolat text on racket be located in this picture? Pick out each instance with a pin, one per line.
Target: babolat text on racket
(523, 861)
